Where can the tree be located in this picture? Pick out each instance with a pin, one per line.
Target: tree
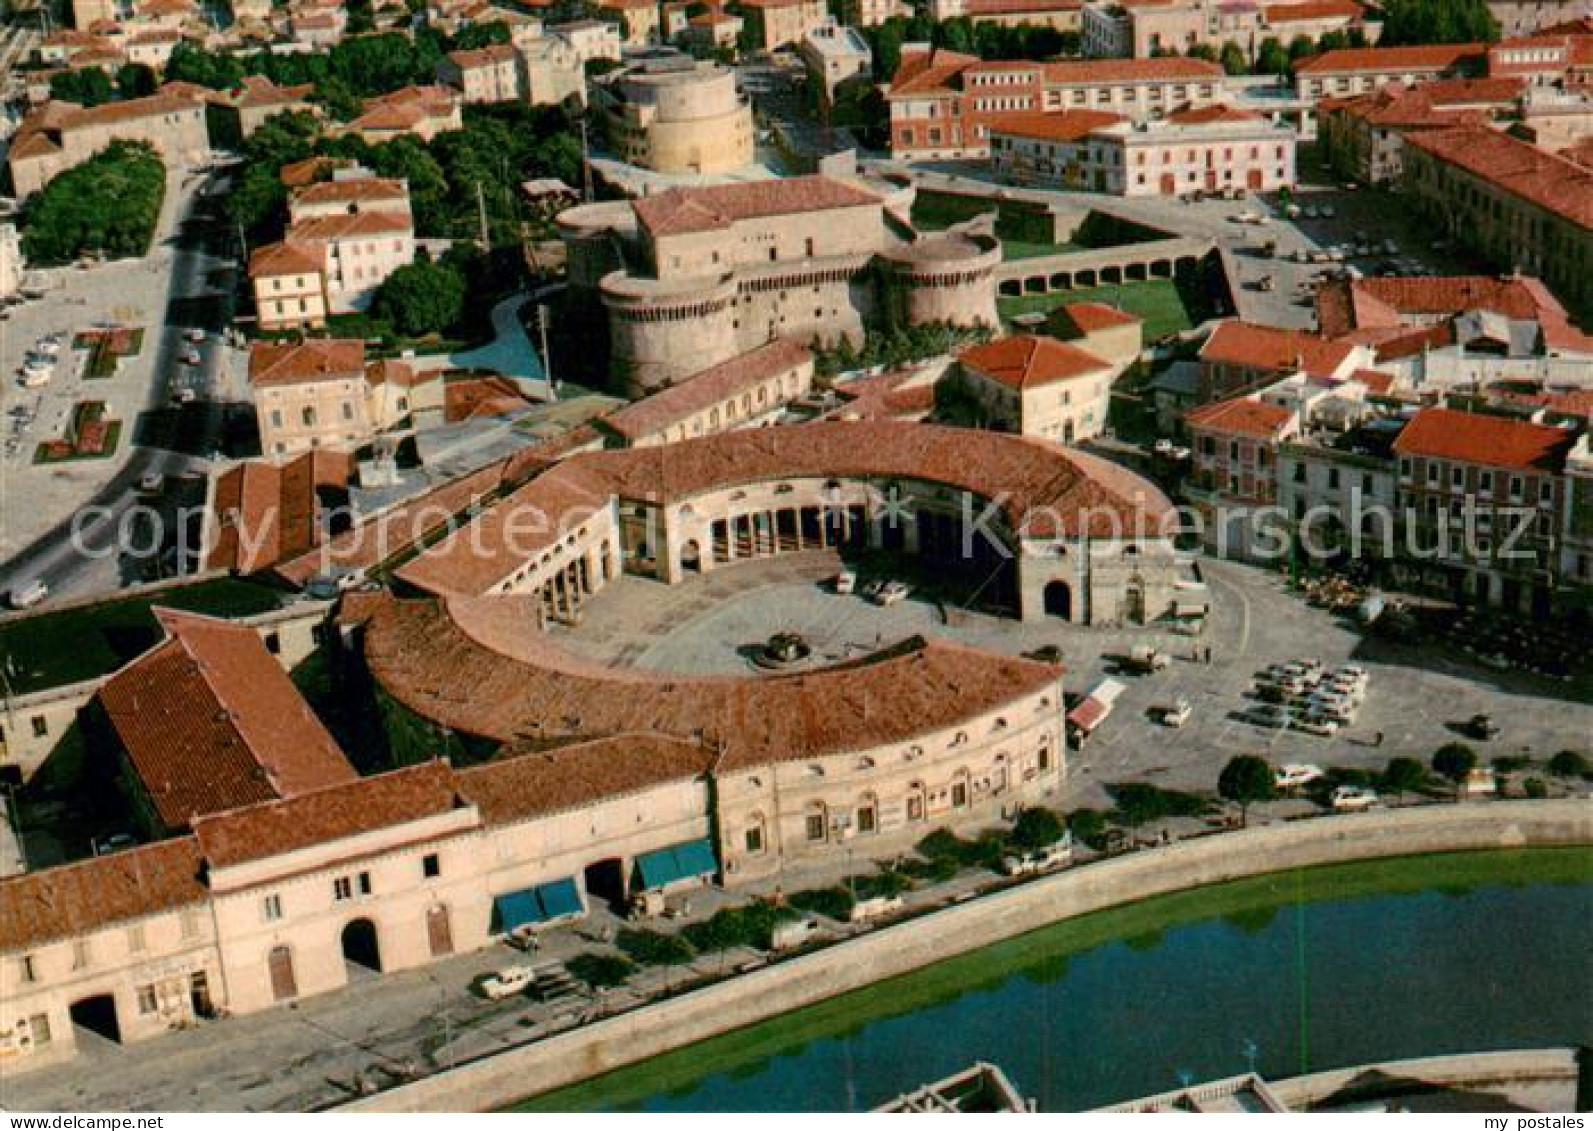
(1300, 47)
(1455, 761)
(424, 297)
(1272, 59)
(1411, 22)
(190, 63)
(1402, 776)
(1570, 764)
(108, 204)
(1245, 780)
(135, 80)
(476, 36)
(88, 86)
(1037, 828)
(1202, 51)
(1087, 826)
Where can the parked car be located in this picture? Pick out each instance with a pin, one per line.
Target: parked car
(1270, 715)
(506, 982)
(1319, 725)
(194, 335)
(846, 582)
(151, 483)
(1146, 659)
(1038, 860)
(28, 594)
(891, 593)
(1176, 713)
(1350, 798)
(1296, 774)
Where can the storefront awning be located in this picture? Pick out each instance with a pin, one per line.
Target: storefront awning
(678, 862)
(540, 904)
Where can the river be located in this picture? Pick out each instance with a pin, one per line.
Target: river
(1293, 972)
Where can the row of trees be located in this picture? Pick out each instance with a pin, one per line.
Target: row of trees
(1437, 21)
(90, 86)
(895, 347)
(107, 205)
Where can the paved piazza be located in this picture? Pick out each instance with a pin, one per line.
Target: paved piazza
(707, 624)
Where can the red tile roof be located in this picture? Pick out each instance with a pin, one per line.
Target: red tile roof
(728, 379)
(314, 359)
(288, 257)
(1440, 57)
(337, 812)
(1089, 317)
(1241, 416)
(1210, 115)
(353, 190)
(516, 786)
(263, 513)
(704, 209)
(480, 666)
(210, 721)
(1268, 347)
(1519, 168)
(74, 899)
(1493, 441)
(349, 225)
(1027, 361)
(1018, 7)
(1063, 125)
(1030, 477)
(1170, 68)
(1313, 10)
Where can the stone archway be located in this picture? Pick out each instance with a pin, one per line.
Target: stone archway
(361, 947)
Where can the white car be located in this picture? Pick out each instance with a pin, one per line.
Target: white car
(846, 582)
(1162, 447)
(194, 335)
(1351, 798)
(510, 980)
(151, 483)
(28, 594)
(1319, 725)
(1294, 775)
(891, 593)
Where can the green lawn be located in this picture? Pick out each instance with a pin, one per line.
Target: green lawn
(1157, 301)
(77, 644)
(113, 437)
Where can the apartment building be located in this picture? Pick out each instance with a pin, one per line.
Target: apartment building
(421, 111)
(871, 13)
(1363, 135)
(1140, 28)
(1061, 15)
(257, 99)
(289, 284)
(1340, 74)
(943, 105)
(1214, 147)
(1486, 500)
(834, 54)
(637, 20)
(1233, 473)
(1552, 58)
(309, 394)
(1240, 356)
(1510, 201)
(489, 74)
(1528, 17)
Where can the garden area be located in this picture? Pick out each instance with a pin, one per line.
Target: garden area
(90, 434)
(1162, 303)
(106, 347)
(107, 206)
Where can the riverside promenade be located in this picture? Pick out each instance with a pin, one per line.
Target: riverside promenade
(501, 1079)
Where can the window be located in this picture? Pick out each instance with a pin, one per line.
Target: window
(147, 1001)
(39, 1027)
(342, 889)
(348, 410)
(815, 824)
(28, 968)
(431, 866)
(307, 414)
(276, 418)
(866, 819)
(959, 794)
(364, 883)
(41, 726)
(271, 908)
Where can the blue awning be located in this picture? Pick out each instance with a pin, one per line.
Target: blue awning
(540, 904)
(678, 862)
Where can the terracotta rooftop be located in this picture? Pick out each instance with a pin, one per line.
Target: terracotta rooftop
(337, 812)
(1520, 168)
(262, 513)
(1386, 301)
(258, 90)
(922, 72)
(1241, 416)
(1027, 361)
(683, 210)
(522, 687)
(663, 409)
(209, 721)
(287, 257)
(1062, 125)
(1440, 57)
(516, 786)
(1267, 347)
(1493, 441)
(74, 899)
(1313, 10)
(314, 359)
(489, 56)
(353, 190)
(1170, 68)
(1212, 115)
(1089, 317)
(1039, 484)
(349, 225)
(1018, 7)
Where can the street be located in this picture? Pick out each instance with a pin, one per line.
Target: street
(186, 282)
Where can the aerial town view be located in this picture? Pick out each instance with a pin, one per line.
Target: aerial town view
(853, 556)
